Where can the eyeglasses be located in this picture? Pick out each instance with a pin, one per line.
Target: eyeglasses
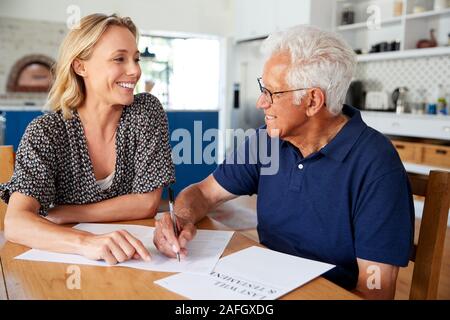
(269, 95)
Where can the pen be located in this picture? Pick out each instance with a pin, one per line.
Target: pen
(174, 219)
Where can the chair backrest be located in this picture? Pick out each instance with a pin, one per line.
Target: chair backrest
(6, 171)
(429, 250)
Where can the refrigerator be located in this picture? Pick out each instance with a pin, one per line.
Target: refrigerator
(248, 65)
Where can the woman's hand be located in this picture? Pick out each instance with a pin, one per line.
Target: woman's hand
(114, 247)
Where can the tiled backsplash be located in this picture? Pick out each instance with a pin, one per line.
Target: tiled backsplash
(414, 73)
(18, 38)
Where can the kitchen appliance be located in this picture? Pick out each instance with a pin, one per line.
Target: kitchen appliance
(400, 99)
(249, 63)
(377, 101)
(355, 94)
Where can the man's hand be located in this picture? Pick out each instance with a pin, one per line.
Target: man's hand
(164, 237)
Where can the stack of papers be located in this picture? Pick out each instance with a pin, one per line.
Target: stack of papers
(254, 273)
(203, 252)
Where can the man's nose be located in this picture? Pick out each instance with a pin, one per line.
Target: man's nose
(262, 102)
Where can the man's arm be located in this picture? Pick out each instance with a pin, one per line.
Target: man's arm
(376, 280)
(126, 207)
(191, 205)
(194, 202)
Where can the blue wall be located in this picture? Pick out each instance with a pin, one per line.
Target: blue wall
(16, 123)
(186, 174)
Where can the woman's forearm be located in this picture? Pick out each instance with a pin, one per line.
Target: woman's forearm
(29, 229)
(126, 207)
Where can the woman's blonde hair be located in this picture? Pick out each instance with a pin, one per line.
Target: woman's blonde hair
(68, 91)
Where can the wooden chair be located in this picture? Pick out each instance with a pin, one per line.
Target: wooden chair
(428, 252)
(6, 171)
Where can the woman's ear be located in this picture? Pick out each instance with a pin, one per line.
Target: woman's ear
(79, 67)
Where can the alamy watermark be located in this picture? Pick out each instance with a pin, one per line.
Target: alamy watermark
(74, 17)
(252, 146)
(374, 280)
(73, 280)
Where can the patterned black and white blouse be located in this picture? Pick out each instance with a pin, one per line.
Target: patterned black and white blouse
(53, 164)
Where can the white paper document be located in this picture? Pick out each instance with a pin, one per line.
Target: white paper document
(254, 273)
(203, 251)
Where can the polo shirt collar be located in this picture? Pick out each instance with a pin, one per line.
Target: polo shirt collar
(342, 143)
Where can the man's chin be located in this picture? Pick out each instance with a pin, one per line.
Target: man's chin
(273, 132)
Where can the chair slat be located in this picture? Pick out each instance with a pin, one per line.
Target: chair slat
(6, 171)
(430, 246)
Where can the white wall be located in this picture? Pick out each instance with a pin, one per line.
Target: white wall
(189, 16)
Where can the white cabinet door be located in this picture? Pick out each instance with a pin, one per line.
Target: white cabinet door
(257, 18)
(254, 18)
(289, 13)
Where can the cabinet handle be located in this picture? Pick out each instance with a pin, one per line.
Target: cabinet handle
(446, 129)
(400, 146)
(440, 151)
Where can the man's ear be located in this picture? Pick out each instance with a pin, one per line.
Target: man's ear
(315, 101)
(79, 67)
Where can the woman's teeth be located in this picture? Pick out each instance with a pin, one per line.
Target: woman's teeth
(128, 85)
(270, 117)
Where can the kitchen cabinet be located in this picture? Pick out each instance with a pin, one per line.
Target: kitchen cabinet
(404, 21)
(408, 151)
(194, 124)
(16, 122)
(253, 19)
(436, 155)
(258, 18)
(423, 153)
(422, 141)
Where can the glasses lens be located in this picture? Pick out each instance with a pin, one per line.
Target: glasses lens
(267, 95)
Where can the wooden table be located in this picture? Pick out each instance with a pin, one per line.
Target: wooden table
(44, 280)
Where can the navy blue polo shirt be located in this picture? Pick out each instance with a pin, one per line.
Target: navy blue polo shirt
(349, 200)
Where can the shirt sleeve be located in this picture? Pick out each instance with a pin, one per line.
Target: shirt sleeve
(384, 220)
(35, 168)
(153, 160)
(239, 173)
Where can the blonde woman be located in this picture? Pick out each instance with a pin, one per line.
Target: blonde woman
(102, 155)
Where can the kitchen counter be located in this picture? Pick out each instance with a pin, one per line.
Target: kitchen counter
(21, 108)
(409, 125)
(42, 108)
(405, 115)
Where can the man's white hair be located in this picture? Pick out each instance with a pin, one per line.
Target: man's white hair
(318, 59)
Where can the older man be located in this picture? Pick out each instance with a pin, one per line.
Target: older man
(340, 195)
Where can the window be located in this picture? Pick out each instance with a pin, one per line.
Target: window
(183, 73)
